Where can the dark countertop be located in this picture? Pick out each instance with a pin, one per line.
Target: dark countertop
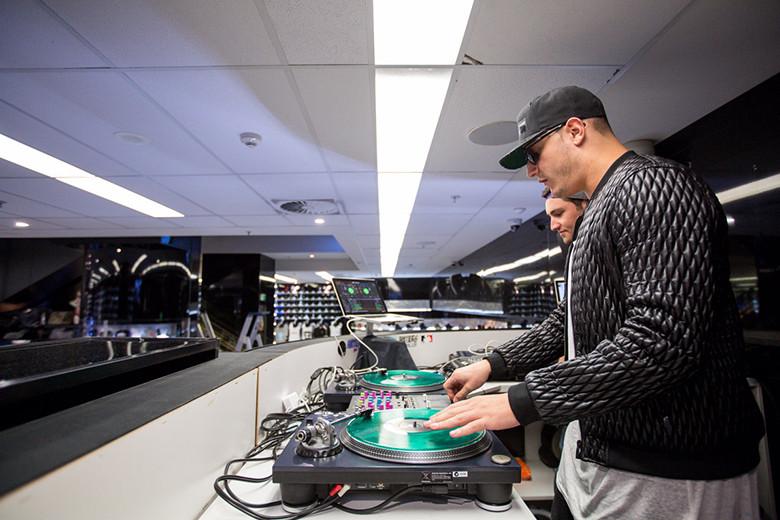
(33, 449)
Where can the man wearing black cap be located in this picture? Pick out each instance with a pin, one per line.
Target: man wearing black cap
(662, 422)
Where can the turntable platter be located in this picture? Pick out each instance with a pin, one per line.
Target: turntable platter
(409, 381)
(399, 436)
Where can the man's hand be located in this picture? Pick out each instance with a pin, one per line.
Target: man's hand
(490, 412)
(466, 379)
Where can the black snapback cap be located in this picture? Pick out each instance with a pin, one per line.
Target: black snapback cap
(549, 110)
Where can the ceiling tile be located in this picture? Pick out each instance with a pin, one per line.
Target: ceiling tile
(340, 104)
(144, 222)
(432, 241)
(156, 192)
(369, 242)
(25, 129)
(83, 223)
(432, 224)
(23, 207)
(519, 192)
(203, 222)
(145, 33)
(31, 37)
(58, 194)
(292, 186)
(334, 32)
(308, 220)
(363, 224)
(218, 105)
(457, 192)
(220, 194)
(716, 51)
(484, 95)
(93, 106)
(256, 220)
(357, 191)
(554, 33)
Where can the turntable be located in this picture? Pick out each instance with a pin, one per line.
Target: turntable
(389, 382)
(403, 381)
(390, 450)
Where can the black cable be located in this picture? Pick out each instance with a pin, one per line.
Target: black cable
(227, 478)
(245, 459)
(382, 505)
(318, 506)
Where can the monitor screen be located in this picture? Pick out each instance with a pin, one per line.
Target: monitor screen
(560, 290)
(359, 296)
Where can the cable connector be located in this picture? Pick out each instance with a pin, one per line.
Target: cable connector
(344, 489)
(335, 489)
(290, 401)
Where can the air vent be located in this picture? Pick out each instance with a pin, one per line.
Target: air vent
(308, 207)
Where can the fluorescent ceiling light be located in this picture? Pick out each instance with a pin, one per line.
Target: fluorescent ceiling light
(751, 188)
(43, 163)
(419, 32)
(319, 220)
(533, 276)
(408, 105)
(397, 192)
(325, 275)
(116, 265)
(546, 253)
(268, 279)
(409, 102)
(285, 279)
(21, 224)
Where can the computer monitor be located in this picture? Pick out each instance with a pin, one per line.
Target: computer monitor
(560, 290)
(357, 296)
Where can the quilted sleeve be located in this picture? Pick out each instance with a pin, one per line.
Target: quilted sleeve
(539, 347)
(663, 223)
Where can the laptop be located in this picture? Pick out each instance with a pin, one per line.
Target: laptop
(359, 298)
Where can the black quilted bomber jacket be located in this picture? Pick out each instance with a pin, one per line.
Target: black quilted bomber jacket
(658, 382)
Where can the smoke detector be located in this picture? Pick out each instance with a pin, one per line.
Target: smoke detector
(250, 139)
(308, 206)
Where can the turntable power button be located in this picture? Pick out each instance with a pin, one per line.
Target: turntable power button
(502, 460)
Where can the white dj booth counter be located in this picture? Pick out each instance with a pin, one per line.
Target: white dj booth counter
(154, 451)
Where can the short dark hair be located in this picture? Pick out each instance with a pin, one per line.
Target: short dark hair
(578, 199)
(601, 125)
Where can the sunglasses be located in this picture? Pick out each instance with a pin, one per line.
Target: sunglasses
(533, 157)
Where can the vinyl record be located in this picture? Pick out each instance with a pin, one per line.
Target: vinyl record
(403, 381)
(399, 436)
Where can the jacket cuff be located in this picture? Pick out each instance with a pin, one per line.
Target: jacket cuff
(522, 404)
(498, 368)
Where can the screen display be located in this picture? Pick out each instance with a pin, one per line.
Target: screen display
(359, 296)
(560, 290)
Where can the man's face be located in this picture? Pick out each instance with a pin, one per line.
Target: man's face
(563, 217)
(554, 166)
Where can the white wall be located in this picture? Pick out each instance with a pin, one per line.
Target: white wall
(163, 470)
